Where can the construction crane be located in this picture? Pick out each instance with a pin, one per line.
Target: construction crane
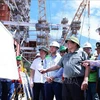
(75, 24)
(42, 25)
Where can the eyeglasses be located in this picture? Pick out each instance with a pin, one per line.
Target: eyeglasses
(69, 41)
(62, 51)
(42, 62)
(87, 48)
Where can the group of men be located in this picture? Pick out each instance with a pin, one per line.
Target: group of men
(61, 72)
(65, 75)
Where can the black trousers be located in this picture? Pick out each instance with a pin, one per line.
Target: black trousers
(53, 89)
(37, 88)
(71, 89)
(4, 90)
(98, 87)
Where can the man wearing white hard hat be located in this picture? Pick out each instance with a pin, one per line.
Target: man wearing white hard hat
(53, 84)
(87, 48)
(92, 79)
(96, 63)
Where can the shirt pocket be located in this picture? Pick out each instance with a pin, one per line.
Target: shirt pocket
(75, 60)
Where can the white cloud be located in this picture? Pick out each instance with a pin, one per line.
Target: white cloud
(98, 12)
(95, 3)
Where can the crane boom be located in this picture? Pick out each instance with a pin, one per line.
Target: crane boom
(80, 11)
(75, 24)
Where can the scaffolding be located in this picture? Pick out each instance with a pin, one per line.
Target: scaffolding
(16, 11)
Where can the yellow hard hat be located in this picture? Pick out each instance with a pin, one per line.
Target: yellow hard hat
(74, 39)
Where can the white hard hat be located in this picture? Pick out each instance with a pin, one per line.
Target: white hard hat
(55, 44)
(87, 44)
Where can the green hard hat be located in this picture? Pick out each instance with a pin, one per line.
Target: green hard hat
(74, 39)
(62, 48)
(18, 58)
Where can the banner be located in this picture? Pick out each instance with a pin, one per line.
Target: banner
(8, 66)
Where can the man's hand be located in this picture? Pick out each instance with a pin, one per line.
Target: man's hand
(42, 71)
(49, 79)
(86, 63)
(52, 78)
(31, 85)
(84, 85)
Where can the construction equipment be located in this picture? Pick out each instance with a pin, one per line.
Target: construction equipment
(13, 12)
(42, 25)
(64, 22)
(21, 27)
(75, 24)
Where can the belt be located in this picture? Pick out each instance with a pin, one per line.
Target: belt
(79, 77)
(73, 79)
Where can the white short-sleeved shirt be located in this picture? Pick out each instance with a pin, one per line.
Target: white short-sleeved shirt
(37, 65)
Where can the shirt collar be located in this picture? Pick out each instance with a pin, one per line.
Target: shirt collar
(54, 56)
(76, 51)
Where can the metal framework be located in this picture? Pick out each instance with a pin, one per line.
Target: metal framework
(80, 11)
(42, 10)
(42, 25)
(18, 22)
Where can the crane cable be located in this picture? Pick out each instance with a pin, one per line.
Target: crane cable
(49, 2)
(89, 21)
(62, 15)
(82, 25)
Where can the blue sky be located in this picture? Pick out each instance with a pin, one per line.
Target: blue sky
(58, 9)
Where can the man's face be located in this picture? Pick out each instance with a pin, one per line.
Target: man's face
(62, 53)
(88, 50)
(18, 62)
(71, 45)
(42, 53)
(53, 49)
(98, 50)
